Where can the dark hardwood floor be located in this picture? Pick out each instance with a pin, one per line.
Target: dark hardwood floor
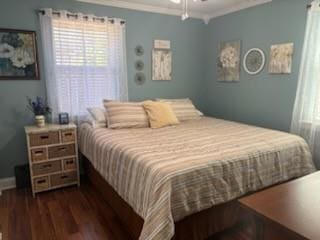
(71, 213)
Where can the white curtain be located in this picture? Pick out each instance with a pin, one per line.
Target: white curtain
(85, 61)
(306, 115)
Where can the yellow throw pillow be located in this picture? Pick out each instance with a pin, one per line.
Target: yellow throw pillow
(160, 114)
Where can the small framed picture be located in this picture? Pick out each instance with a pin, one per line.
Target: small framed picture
(162, 44)
(161, 65)
(63, 118)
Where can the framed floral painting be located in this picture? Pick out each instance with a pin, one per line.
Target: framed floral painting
(18, 55)
(229, 61)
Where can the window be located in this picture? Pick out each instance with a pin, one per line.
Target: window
(306, 112)
(87, 60)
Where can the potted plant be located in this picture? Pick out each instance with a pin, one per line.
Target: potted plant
(39, 107)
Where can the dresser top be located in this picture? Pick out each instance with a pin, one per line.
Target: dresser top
(293, 205)
(48, 127)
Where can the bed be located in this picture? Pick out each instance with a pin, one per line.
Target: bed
(164, 176)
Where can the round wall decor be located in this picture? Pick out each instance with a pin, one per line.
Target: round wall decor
(139, 78)
(139, 65)
(139, 50)
(254, 61)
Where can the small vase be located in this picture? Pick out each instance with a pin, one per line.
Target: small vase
(40, 121)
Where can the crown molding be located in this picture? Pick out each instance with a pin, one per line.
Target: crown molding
(176, 12)
(142, 7)
(237, 7)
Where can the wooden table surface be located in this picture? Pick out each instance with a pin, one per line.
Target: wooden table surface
(294, 205)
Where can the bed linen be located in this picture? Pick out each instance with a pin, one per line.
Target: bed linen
(169, 173)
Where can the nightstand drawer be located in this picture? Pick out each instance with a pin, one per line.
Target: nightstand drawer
(46, 138)
(39, 154)
(63, 178)
(45, 168)
(69, 164)
(61, 151)
(41, 183)
(68, 135)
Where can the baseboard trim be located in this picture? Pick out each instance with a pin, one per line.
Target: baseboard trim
(7, 183)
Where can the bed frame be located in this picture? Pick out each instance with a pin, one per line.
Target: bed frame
(197, 226)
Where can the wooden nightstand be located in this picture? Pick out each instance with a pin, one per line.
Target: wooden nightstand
(53, 156)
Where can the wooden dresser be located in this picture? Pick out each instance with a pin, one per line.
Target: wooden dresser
(289, 211)
(53, 156)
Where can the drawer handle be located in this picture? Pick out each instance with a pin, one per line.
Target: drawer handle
(64, 177)
(44, 136)
(68, 134)
(46, 166)
(62, 149)
(69, 162)
(39, 152)
(41, 181)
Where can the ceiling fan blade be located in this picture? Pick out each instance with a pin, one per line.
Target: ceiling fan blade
(185, 7)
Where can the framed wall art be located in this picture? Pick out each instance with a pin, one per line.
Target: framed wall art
(281, 58)
(229, 61)
(139, 50)
(18, 55)
(162, 44)
(254, 61)
(161, 65)
(140, 78)
(139, 65)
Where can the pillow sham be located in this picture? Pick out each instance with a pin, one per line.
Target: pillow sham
(160, 114)
(95, 124)
(98, 114)
(125, 114)
(183, 108)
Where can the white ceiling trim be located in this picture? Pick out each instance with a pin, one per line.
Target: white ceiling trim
(142, 7)
(176, 12)
(237, 7)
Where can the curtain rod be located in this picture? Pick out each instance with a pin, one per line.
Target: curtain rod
(310, 5)
(75, 15)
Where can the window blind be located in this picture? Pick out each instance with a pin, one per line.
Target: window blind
(88, 58)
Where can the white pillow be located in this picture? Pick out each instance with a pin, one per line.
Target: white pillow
(94, 123)
(98, 114)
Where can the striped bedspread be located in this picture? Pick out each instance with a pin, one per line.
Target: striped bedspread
(167, 174)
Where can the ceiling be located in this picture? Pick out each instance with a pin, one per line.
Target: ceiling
(204, 10)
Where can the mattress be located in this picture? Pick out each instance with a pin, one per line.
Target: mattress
(169, 173)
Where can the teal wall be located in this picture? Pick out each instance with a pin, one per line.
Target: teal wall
(265, 100)
(187, 39)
